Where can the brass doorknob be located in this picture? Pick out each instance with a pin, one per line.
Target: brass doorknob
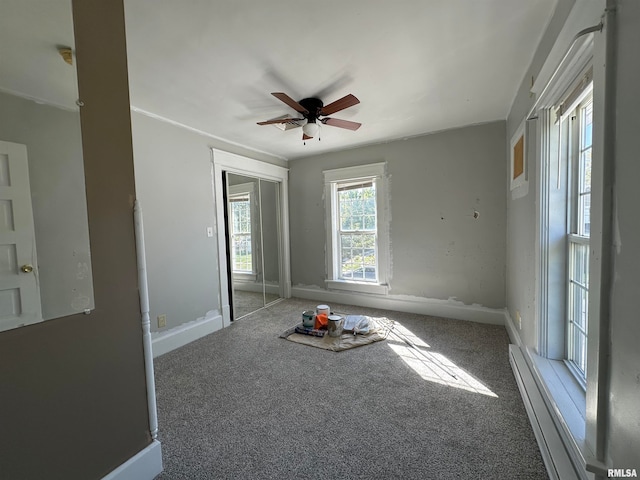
(27, 268)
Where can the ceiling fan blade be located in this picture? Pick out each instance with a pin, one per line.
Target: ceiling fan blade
(306, 137)
(280, 120)
(345, 102)
(336, 122)
(283, 97)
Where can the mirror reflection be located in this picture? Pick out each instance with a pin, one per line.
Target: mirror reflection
(45, 263)
(253, 237)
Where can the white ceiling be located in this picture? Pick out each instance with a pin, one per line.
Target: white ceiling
(417, 66)
(30, 33)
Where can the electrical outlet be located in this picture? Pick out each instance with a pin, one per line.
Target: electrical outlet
(519, 319)
(162, 321)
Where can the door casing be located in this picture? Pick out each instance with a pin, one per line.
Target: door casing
(229, 162)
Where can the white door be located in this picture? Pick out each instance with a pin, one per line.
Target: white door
(19, 290)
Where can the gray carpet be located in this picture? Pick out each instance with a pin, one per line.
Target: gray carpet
(242, 403)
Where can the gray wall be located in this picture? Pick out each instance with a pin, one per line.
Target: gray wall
(56, 174)
(520, 289)
(438, 249)
(175, 189)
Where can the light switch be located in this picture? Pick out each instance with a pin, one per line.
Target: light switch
(209, 231)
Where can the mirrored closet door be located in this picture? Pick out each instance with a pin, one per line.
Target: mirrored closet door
(253, 242)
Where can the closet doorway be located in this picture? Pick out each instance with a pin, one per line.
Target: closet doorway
(252, 221)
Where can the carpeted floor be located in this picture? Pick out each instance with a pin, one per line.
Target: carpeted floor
(436, 400)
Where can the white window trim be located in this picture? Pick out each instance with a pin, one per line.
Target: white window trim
(360, 172)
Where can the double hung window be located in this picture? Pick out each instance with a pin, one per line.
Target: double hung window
(579, 229)
(566, 187)
(357, 233)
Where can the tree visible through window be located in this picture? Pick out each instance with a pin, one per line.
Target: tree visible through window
(357, 231)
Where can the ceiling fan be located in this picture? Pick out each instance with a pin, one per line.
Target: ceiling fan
(312, 109)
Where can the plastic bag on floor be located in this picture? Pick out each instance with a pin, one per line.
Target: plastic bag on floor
(357, 324)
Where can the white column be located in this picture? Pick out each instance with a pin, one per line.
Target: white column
(146, 321)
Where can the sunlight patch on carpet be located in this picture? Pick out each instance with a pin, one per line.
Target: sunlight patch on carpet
(433, 366)
(402, 334)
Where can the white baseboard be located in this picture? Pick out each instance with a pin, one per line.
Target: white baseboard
(257, 287)
(179, 336)
(514, 335)
(145, 465)
(404, 303)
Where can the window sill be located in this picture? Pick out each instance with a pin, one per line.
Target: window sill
(567, 398)
(360, 287)
(244, 277)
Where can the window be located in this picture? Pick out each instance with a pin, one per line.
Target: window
(566, 226)
(357, 236)
(579, 229)
(565, 118)
(356, 233)
(241, 241)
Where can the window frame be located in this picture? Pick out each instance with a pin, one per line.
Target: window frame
(571, 399)
(363, 173)
(244, 189)
(575, 237)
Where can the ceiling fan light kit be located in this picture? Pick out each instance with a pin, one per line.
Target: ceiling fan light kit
(311, 129)
(311, 110)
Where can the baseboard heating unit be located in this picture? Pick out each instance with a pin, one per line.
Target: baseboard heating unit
(554, 453)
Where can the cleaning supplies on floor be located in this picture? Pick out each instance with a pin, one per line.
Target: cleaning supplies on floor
(310, 331)
(322, 321)
(335, 325)
(308, 318)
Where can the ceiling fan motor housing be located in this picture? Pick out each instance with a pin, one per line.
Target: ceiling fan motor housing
(313, 105)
